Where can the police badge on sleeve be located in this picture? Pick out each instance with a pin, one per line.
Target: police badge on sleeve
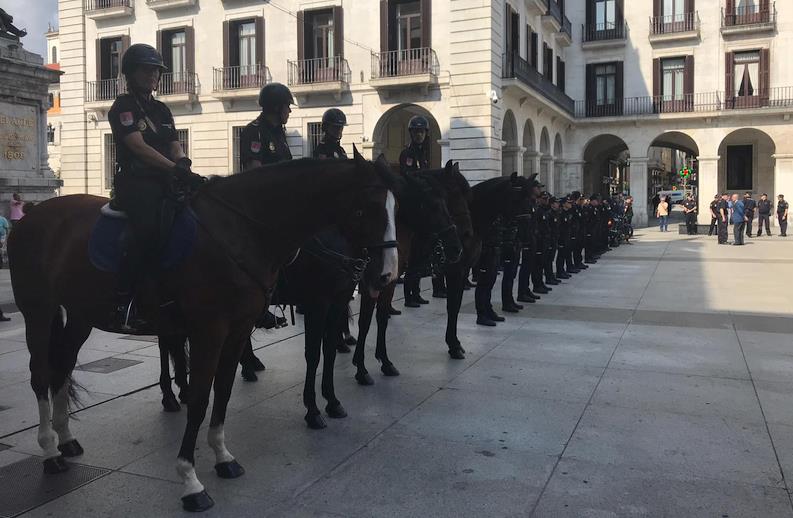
(409, 162)
(256, 146)
(126, 119)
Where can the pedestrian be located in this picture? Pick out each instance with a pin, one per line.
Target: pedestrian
(738, 220)
(723, 210)
(662, 213)
(781, 215)
(15, 209)
(764, 207)
(714, 214)
(749, 206)
(690, 210)
(656, 200)
(5, 228)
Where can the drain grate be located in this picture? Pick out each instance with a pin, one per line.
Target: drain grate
(107, 365)
(24, 486)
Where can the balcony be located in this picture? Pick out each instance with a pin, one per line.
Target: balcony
(604, 35)
(747, 20)
(104, 9)
(537, 7)
(517, 68)
(178, 88)
(99, 95)
(565, 36)
(319, 76)
(163, 5)
(675, 27)
(239, 82)
(552, 17)
(396, 69)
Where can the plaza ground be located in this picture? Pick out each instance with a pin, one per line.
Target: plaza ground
(657, 383)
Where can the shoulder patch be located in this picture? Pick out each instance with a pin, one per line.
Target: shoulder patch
(409, 162)
(256, 146)
(272, 147)
(126, 119)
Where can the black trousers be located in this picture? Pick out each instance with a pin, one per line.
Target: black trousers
(578, 249)
(763, 219)
(782, 224)
(713, 224)
(488, 271)
(569, 258)
(750, 220)
(526, 267)
(691, 223)
(550, 254)
(562, 255)
(722, 231)
(538, 267)
(509, 260)
(589, 251)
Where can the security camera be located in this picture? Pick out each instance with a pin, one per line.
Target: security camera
(493, 96)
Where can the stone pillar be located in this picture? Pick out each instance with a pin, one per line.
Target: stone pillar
(574, 175)
(708, 182)
(531, 163)
(559, 183)
(445, 151)
(546, 166)
(513, 156)
(638, 189)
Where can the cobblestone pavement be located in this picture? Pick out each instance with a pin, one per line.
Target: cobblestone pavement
(657, 383)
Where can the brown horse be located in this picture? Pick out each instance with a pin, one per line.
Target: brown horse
(250, 224)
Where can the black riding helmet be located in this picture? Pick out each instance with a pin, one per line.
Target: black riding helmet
(141, 54)
(419, 123)
(275, 94)
(334, 117)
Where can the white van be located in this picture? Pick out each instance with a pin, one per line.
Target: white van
(677, 197)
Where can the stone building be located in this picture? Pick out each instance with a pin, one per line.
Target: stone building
(594, 95)
(54, 99)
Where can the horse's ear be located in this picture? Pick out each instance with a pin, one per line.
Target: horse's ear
(514, 177)
(449, 167)
(356, 155)
(456, 167)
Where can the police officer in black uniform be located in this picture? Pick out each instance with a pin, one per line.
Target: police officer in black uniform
(333, 123)
(749, 206)
(528, 236)
(563, 241)
(781, 215)
(487, 270)
(262, 142)
(723, 210)
(714, 214)
(690, 209)
(764, 207)
(510, 257)
(151, 167)
(578, 216)
(540, 251)
(590, 217)
(552, 245)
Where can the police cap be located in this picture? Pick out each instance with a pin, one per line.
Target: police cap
(141, 54)
(275, 94)
(418, 122)
(334, 117)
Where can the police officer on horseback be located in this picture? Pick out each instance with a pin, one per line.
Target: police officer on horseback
(263, 141)
(151, 167)
(333, 122)
(415, 155)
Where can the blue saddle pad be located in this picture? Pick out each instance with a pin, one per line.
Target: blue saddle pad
(105, 246)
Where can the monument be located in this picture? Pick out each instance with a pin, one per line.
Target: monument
(24, 101)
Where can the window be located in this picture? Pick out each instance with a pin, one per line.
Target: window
(314, 132)
(184, 140)
(110, 58)
(673, 71)
(247, 48)
(322, 39)
(605, 84)
(739, 168)
(236, 133)
(178, 44)
(54, 55)
(547, 62)
(747, 73)
(605, 15)
(110, 160)
(674, 10)
(51, 100)
(50, 134)
(408, 20)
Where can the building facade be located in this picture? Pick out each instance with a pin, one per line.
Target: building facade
(54, 97)
(594, 95)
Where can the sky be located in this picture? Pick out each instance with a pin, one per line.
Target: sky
(33, 15)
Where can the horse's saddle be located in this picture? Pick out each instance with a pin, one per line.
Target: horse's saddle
(108, 237)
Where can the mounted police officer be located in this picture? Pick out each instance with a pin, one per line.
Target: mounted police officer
(262, 142)
(151, 166)
(333, 123)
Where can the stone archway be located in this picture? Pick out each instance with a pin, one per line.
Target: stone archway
(530, 162)
(510, 151)
(391, 135)
(546, 159)
(747, 163)
(557, 181)
(606, 159)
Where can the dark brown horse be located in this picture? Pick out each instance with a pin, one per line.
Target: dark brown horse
(250, 224)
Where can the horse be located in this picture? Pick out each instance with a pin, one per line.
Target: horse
(457, 196)
(250, 224)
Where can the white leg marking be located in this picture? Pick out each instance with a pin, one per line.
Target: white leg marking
(48, 439)
(60, 414)
(217, 441)
(390, 259)
(187, 472)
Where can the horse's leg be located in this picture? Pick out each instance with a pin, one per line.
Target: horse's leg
(204, 357)
(166, 346)
(65, 349)
(180, 359)
(383, 305)
(454, 284)
(316, 315)
(334, 323)
(364, 322)
(226, 466)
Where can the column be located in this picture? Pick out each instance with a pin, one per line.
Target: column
(574, 175)
(512, 157)
(546, 166)
(445, 151)
(559, 183)
(530, 163)
(44, 156)
(708, 186)
(638, 189)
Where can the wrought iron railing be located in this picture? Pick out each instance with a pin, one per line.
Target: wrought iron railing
(567, 26)
(319, 70)
(240, 77)
(749, 15)
(669, 24)
(396, 63)
(554, 9)
(515, 67)
(176, 83)
(97, 5)
(604, 31)
(104, 90)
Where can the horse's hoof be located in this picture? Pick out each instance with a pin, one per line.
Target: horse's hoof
(336, 411)
(258, 366)
(342, 348)
(315, 421)
(389, 370)
(71, 449)
(457, 354)
(183, 396)
(249, 376)
(350, 340)
(197, 502)
(230, 469)
(55, 465)
(364, 378)
(170, 404)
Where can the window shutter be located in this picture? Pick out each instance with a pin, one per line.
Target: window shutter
(545, 59)
(619, 14)
(559, 80)
(426, 23)
(688, 76)
(590, 82)
(765, 73)
(619, 87)
(124, 43)
(99, 60)
(562, 73)
(189, 36)
(657, 8)
(657, 76)
(729, 77)
(384, 25)
(765, 7)
(301, 38)
(590, 14)
(535, 49)
(729, 7)
(259, 22)
(338, 30)
(159, 45)
(226, 41)
(528, 44)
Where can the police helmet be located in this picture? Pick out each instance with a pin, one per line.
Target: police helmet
(275, 94)
(418, 123)
(334, 117)
(141, 54)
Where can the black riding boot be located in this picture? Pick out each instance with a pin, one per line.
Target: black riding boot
(125, 317)
(439, 286)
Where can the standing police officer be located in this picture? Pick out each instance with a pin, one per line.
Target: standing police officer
(150, 161)
(764, 207)
(333, 122)
(714, 214)
(690, 209)
(723, 210)
(749, 206)
(781, 215)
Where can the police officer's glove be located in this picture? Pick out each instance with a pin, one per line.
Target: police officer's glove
(185, 176)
